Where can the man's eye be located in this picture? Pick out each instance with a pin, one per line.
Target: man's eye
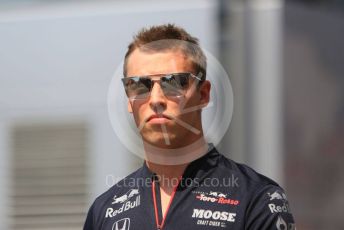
(137, 87)
(172, 81)
(133, 84)
(183, 81)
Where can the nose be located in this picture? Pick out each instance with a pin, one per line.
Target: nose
(157, 100)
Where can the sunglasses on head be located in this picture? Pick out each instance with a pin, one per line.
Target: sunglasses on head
(172, 85)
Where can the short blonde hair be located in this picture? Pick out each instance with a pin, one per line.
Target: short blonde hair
(169, 37)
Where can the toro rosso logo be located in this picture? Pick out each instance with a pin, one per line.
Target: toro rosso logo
(216, 194)
(216, 197)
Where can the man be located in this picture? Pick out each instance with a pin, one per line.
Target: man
(183, 183)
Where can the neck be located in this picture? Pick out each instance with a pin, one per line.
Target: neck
(169, 172)
(171, 163)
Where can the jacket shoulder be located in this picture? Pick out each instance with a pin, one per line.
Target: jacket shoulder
(116, 190)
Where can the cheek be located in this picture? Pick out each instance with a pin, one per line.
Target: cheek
(190, 103)
(138, 112)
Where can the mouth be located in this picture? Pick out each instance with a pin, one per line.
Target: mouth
(158, 119)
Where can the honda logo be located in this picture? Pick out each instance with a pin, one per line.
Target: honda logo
(123, 224)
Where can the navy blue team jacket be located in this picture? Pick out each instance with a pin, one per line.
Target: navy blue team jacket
(214, 193)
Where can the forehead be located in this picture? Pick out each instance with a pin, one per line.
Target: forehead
(149, 63)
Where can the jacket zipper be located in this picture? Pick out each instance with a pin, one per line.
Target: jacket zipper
(158, 224)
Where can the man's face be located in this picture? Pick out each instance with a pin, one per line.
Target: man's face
(167, 122)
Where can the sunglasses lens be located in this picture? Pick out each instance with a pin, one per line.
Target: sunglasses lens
(174, 85)
(137, 87)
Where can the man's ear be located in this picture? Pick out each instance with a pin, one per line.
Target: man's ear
(130, 108)
(205, 93)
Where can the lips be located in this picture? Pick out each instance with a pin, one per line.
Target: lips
(158, 118)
